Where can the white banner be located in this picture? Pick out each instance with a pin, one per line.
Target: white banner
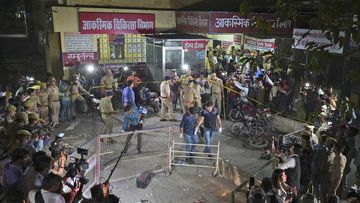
(76, 42)
(316, 36)
(262, 45)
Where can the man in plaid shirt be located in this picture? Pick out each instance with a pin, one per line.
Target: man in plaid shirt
(131, 122)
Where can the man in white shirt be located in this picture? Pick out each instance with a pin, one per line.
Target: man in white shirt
(291, 166)
(50, 192)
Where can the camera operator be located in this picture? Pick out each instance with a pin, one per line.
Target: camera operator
(50, 191)
(72, 184)
(59, 153)
(132, 118)
(101, 194)
(291, 165)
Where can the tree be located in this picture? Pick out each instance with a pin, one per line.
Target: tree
(330, 16)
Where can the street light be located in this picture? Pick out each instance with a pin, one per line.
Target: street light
(126, 68)
(90, 68)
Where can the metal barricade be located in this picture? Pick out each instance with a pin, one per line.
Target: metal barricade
(176, 153)
(154, 156)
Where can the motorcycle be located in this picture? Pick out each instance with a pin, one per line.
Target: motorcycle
(242, 111)
(149, 98)
(92, 104)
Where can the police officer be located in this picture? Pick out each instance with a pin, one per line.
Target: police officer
(9, 116)
(166, 100)
(106, 110)
(216, 91)
(188, 95)
(44, 103)
(197, 93)
(21, 120)
(75, 89)
(107, 80)
(32, 94)
(29, 106)
(54, 102)
(174, 86)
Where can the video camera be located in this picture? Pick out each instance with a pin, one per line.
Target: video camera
(80, 165)
(288, 143)
(57, 146)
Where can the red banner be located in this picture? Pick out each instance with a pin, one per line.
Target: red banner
(224, 22)
(192, 22)
(73, 58)
(238, 39)
(194, 44)
(116, 23)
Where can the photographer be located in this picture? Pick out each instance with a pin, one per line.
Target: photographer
(59, 153)
(291, 165)
(132, 117)
(100, 194)
(283, 192)
(50, 191)
(72, 183)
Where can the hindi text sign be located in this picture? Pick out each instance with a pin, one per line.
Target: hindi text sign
(116, 23)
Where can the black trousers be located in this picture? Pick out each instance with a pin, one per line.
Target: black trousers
(139, 140)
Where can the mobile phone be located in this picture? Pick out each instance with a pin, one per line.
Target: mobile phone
(251, 182)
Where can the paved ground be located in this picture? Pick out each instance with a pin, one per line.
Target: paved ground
(184, 184)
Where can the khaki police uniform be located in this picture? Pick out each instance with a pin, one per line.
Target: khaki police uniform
(197, 92)
(36, 100)
(188, 97)
(44, 105)
(75, 89)
(106, 109)
(183, 81)
(29, 105)
(54, 103)
(107, 81)
(166, 100)
(216, 92)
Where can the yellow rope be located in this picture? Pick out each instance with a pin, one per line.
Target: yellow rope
(289, 116)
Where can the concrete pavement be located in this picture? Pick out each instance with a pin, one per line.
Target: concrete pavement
(184, 184)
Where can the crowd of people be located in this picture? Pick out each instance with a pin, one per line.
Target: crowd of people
(30, 172)
(319, 164)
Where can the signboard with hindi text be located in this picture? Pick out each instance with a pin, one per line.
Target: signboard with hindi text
(79, 57)
(228, 22)
(194, 44)
(76, 42)
(116, 23)
(262, 45)
(317, 36)
(192, 22)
